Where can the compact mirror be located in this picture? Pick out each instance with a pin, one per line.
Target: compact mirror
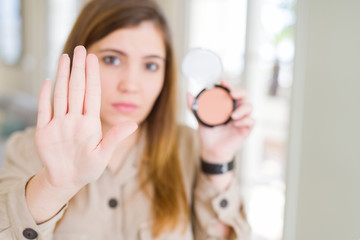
(214, 105)
(202, 66)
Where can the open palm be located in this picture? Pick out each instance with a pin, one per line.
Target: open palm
(70, 143)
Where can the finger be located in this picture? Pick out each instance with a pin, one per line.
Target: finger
(245, 132)
(77, 81)
(61, 86)
(225, 84)
(189, 100)
(44, 108)
(116, 135)
(242, 111)
(239, 94)
(93, 86)
(236, 93)
(245, 123)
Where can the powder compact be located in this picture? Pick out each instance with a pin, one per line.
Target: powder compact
(214, 105)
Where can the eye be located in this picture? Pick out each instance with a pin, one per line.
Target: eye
(152, 66)
(111, 60)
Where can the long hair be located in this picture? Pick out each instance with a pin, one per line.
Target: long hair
(162, 168)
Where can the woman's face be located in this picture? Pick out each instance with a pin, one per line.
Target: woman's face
(132, 69)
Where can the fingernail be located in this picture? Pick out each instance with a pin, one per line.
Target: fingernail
(79, 47)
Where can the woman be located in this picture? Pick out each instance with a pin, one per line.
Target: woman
(108, 160)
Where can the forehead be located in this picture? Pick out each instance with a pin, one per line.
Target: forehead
(145, 38)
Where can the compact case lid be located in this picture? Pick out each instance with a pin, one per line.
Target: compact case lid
(202, 66)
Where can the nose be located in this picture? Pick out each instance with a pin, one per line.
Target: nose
(129, 80)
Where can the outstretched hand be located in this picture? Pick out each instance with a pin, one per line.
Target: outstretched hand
(70, 142)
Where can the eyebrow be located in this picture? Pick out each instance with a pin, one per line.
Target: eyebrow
(124, 54)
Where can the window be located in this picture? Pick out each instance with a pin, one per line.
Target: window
(61, 18)
(255, 42)
(11, 31)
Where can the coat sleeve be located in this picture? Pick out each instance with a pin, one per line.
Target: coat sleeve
(21, 164)
(212, 206)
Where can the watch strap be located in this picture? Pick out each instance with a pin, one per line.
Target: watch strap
(211, 168)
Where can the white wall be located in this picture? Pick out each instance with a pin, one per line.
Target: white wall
(323, 197)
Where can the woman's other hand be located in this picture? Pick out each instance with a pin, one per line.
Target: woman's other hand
(219, 144)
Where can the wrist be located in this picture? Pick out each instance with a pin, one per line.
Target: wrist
(217, 168)
(38, 191)
(216, 157)
(40, 185)
(220, 181)
(219, 175)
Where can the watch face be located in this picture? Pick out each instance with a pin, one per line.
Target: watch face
(224, 168)
(202, 66)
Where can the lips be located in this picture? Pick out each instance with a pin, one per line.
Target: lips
(125, 107)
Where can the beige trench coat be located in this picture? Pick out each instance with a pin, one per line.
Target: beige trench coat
(112, 207)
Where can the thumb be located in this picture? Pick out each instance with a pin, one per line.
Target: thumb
(115, 135)
(190, 100)
(225, 84)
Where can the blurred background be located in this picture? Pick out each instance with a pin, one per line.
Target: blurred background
(299, 60)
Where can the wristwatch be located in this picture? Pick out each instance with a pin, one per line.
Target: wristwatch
(210, 168)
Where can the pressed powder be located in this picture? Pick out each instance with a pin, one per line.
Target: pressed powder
(214, 106)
